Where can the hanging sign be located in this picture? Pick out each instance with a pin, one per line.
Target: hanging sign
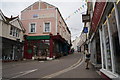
(85, 30)
(86, 18)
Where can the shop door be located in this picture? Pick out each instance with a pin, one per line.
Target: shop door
(29, 50)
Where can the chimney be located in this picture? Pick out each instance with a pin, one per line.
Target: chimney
(11, 16)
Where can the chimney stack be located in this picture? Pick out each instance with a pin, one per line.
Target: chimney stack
(11, 16)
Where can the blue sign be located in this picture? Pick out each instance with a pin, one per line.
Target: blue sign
(35, 16)
(85, 29)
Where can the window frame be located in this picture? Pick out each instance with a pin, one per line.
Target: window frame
(14, 32)
(49, 26)
(30, 27)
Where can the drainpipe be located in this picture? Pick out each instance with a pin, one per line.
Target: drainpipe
(51, 46)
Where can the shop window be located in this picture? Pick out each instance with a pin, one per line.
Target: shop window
(118, 6)
(115, 39)
(41, 48)
(98, 52)
(47, 41)
(104, 64)
(107, 42)
(117, 52)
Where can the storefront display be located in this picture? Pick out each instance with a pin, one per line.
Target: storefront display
(115, 41)
(108, 52)
(110, 45)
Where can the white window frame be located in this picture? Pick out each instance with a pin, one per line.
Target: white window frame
(15, 31)
(104, 43)
(44, 26)
(30, 27)
(111, 45)
(11, 31)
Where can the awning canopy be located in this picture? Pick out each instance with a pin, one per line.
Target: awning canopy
(98, 11)
(37, 37)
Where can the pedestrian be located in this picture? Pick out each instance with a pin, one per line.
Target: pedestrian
(87, 58)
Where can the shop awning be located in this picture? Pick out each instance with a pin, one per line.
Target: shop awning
(98, 11)
(37, 37)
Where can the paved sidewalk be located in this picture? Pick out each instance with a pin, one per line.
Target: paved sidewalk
(81, 72)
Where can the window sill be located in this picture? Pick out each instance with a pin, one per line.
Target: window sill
(14, 37)
(32, 32)
(46, 32)
(109, 74)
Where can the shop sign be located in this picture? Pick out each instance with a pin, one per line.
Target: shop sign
(86, 18)
(38, 37)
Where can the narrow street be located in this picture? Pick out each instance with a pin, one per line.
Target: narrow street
(71, 66)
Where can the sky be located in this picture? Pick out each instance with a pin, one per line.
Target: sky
(66, 7)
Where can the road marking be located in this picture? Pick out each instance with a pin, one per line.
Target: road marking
(24, 73)
(78, 63)
(41, 61)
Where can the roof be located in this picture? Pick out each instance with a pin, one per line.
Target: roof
(55, 8)
(2, 15)
(37, 2)
(9, 20)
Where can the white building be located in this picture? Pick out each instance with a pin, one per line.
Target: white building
(12, 37)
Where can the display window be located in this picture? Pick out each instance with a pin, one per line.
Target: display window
(108, 51)
(104, 63)
(39, 48)
(115, 41)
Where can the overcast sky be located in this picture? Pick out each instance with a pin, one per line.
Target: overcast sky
(66, 7)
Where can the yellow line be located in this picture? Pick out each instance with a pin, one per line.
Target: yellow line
(64, 70)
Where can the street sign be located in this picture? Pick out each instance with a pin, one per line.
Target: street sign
(86, 18)
(85, 30)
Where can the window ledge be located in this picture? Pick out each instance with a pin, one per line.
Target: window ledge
(32, 32)
(46, 32)
(109, 74)
(15, 37)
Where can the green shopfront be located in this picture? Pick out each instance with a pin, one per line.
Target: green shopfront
(45, 46)
(37, 46)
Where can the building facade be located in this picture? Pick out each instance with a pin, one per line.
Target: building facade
(81, 42)
(47, 33)
(12, 37)
(75, 44)
(104, 38)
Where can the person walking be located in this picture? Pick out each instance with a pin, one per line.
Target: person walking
(87, 58)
